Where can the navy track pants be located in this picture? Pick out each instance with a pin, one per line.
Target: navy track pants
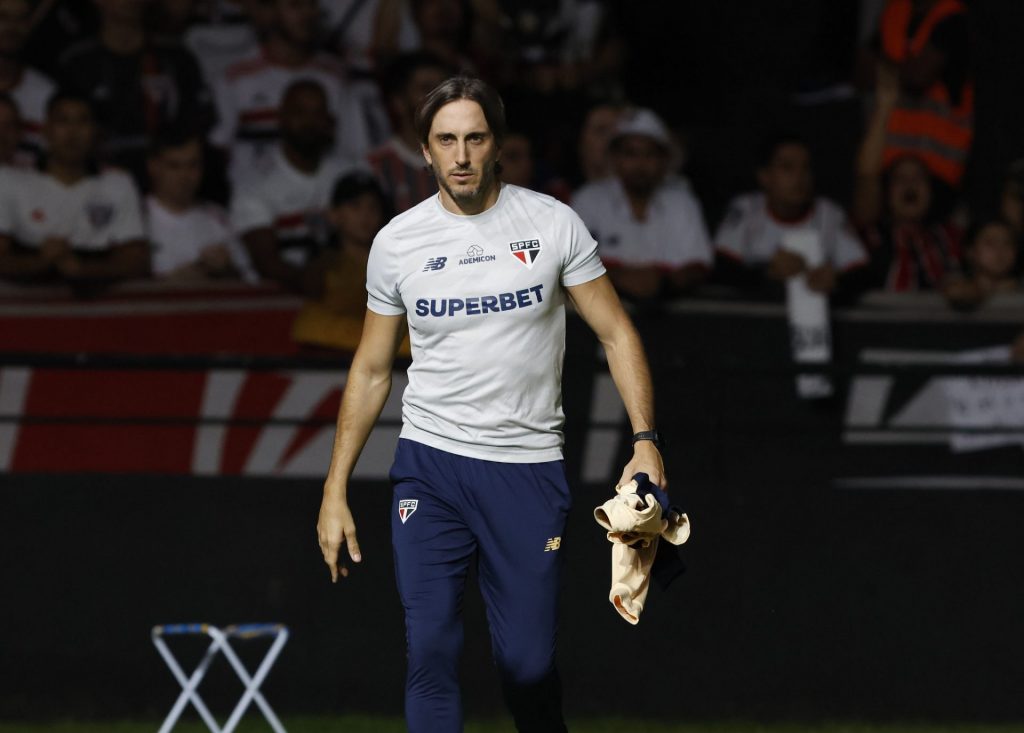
(510, 517)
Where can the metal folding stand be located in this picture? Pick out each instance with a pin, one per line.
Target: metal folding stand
(219, 644)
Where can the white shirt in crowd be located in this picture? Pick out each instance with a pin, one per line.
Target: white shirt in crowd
(672, 235)
(248, 96)
(177, 239)
(485, 304)
(31, 94)
(751, 235)
(96, 213)
(291, 203)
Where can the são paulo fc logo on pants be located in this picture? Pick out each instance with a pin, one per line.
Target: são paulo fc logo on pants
(406, 508)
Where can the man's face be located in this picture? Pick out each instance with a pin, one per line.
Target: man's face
(358, 220)
(640, 163)
(297, 20)
(595, 136)
(462, 151)
(10, 133)
(70, 133)
(910, 191)
(175, 173)
(994, 251)
(517, 161)
(787, 180)
(306, 122)
(14, 15)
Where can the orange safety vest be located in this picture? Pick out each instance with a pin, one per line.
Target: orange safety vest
(928, 127)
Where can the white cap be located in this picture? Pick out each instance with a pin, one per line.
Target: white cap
(645, 123)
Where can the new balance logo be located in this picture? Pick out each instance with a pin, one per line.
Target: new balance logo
(435, 263)
(552, 544)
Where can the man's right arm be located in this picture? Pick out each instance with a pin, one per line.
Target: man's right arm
(366, 391)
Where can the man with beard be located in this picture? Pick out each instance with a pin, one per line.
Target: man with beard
(481, 274)
(650, 227)
(281, 214)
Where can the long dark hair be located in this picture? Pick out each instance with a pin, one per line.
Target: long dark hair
(462, 87)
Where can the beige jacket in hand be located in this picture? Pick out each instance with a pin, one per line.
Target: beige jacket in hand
(634, 527)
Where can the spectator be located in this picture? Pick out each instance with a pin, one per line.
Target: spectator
(10, 130)
(927, 41)
(58, 24)
(250, 91)
(359, 208)
(755, 242)
(229, 33)
(598, 129)
(28, 88)
(444, 28)
(517, 160)
(651, 233)
(399, 164)
(910, 247)
(993, 252)
(281, 214)
(138, 86)
(68, 220)
(189, 239)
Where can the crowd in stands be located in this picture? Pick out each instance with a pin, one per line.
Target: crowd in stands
(269, 140)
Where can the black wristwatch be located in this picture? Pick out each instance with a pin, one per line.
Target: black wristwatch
(652, 435)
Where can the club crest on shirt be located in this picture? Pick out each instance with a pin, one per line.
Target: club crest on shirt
(99, 214)
(526, 251)
(406, 508)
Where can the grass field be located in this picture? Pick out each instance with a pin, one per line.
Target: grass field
(394, 725)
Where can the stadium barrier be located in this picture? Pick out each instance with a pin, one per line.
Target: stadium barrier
(854, 556)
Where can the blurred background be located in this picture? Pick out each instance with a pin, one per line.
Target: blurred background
(813, 210)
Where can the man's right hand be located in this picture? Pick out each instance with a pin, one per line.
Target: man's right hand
(334, 527)
(54, 248)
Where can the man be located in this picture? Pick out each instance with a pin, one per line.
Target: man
(190, 239)
(754, 241)
(249, 94)
(138, 86)
(481, 274)
(651, 229)
(68, 221)
(281, 215)
(27, 87)
(398, 163)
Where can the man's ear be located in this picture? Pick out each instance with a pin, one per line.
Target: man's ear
(426, 154)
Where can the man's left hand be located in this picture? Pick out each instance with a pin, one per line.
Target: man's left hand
(646, 459)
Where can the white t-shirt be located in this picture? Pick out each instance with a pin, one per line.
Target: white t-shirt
(751, 235)
(290, 202)
(485, 304)
(96, 213)
(178, 239)
(672, 236)
(248, 97)
(32, 94)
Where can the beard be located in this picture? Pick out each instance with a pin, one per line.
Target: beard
(488, 177)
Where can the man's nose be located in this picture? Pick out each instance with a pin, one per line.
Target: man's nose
(462, 153)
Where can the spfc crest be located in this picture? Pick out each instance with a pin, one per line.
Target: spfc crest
(526, 251)
(100, 214)
(406, 508)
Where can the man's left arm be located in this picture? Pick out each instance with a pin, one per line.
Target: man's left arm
(600, 307)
